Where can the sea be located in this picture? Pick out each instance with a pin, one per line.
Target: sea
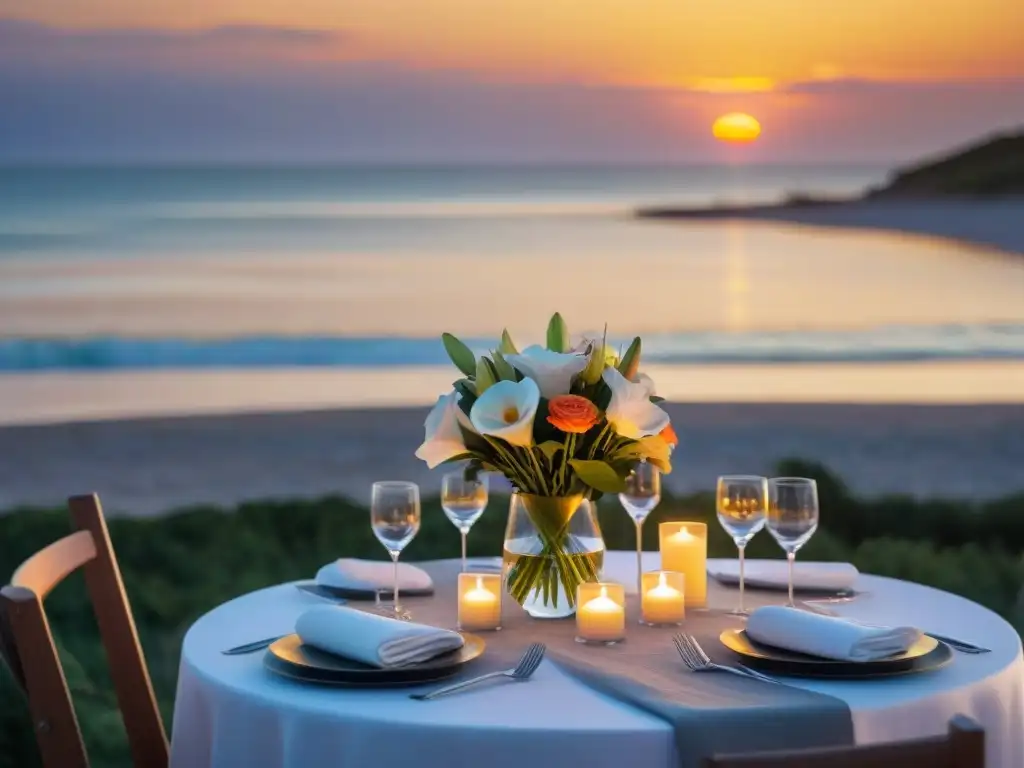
(109, 270)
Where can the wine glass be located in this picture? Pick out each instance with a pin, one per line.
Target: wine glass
(742, 501)
(395, 517)
(792, 516)
(642, 494)
(463, 502)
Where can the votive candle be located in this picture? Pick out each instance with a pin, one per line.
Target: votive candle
(663, 600)
(479, 601)
(600, 613)
(684, 548)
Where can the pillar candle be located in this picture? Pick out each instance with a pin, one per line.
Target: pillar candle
(684, 548)
(600, 613)
(479, 601)
(663, 601)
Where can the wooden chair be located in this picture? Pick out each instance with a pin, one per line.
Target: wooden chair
(962, 747)
(27, 644)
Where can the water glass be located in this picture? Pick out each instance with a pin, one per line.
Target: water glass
(741, 501)
(395, 517)
(792, 516)
(641, 496)
(463, 502)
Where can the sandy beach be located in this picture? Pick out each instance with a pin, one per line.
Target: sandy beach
(998, 223)
(148, 466)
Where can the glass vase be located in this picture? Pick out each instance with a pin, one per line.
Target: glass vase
(552, 545)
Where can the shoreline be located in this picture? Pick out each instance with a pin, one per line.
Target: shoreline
(75, 397)
(994, 223)
(146, 467)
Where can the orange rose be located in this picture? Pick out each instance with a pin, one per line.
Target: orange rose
(572, 413)
(669, 436)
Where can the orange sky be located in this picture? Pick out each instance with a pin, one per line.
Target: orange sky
(635, 42)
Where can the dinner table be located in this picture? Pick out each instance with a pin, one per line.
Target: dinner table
(233, 711)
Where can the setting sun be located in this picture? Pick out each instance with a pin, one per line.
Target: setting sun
(736, 128)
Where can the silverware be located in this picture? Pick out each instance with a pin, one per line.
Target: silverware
(958, 645)
(257, 645)
(522, 671)
(697, 660)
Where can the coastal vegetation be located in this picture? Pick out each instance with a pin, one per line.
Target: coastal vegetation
(990, 168)
(181, 565)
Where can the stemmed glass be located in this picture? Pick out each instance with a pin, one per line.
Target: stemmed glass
(642, 494)
(792, 516)
(463, 502)
(395, 517)
(742, 501)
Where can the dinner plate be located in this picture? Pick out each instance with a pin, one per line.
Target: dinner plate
(290, 658)
(926, 654)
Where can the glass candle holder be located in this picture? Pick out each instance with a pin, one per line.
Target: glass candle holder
(479, 601)
(663, 599)
(684, 548)
(600, 613)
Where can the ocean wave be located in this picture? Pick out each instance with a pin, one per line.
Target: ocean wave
(889, 344)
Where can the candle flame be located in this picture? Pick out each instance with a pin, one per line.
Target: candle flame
(683, 534)
(661, 580)
(479, 582)
(604, 592)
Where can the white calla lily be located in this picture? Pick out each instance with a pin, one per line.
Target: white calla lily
(553, 371)
(443, 439)
(506, 411)
(646, 381)
(631, 412)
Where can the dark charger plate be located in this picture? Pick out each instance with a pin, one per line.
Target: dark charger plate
(926, 654)
(351, 593)
(290, 658)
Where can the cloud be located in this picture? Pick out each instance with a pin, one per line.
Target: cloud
(269, 94)
(53, 48)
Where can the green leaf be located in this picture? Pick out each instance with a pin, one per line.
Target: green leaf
(558, 334)
(467, 389)
(486, 376)
(503, 367)
(598, 475)
(544, 430)
(507, 346)
(460, 354)
(629, 366)
(460, 457)
(477, 444)
(549, 448)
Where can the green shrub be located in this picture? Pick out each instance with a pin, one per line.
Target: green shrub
(179, 566)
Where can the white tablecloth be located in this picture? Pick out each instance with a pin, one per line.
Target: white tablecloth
(231, 712)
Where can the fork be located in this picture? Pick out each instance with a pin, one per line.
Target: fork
(522, 671)
(697, 660)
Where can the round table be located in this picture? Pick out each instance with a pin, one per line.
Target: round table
(231, 712)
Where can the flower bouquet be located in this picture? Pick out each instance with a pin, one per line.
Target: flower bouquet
(563, 424)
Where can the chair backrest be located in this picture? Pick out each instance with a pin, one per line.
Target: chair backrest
(28, 646)
(962, 747)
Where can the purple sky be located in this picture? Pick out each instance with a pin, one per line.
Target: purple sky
(261, 93)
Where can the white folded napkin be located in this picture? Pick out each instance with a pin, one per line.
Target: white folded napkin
(829, 637)
(774, 574)
(371, 639)
(371, 575)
